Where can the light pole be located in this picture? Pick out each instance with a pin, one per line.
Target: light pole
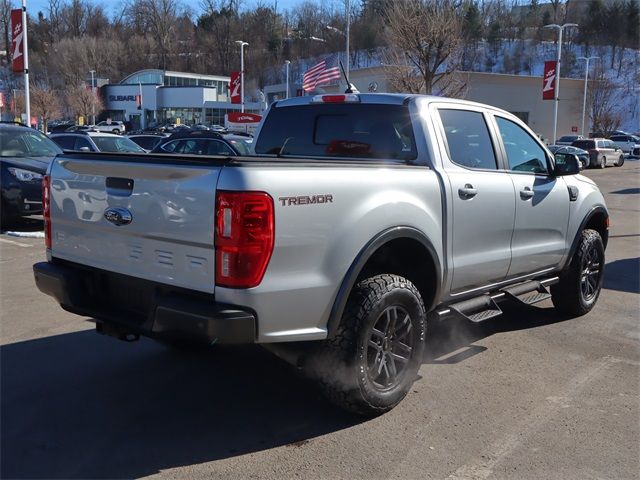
(242, 45)
(25, 50)
(557, 86)
(586, 80)
(286, 66)
(345, 34)
(93, 99)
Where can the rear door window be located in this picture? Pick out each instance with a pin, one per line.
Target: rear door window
(67, 142)
(468, 139)
(83, 143)
(366, 131)
(584, 144)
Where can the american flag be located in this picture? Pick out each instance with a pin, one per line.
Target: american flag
(321, 73)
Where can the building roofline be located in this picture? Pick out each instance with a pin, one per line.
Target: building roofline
(172, 73)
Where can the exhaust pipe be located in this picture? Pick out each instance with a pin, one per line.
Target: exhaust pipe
(117, 332)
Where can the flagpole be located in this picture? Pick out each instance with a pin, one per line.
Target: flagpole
(27, 102)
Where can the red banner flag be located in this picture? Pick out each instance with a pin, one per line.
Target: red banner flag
(549, 81)
(235, 88)
(17, 37)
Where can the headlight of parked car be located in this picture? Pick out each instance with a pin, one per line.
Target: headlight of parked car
(24, 175)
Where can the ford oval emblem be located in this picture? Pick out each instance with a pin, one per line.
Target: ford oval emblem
(118, 216)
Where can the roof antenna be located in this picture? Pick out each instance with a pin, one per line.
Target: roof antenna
(351, 88)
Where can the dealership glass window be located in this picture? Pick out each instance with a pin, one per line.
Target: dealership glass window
(143, 77)
(214, 116)
(115, 115)
(186, 115)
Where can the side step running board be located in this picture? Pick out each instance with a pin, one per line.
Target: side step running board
(484, 307)
(524, 293)
(477, 309)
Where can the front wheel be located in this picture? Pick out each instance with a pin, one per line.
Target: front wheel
(372, 360)
(116, 131)
(603, 162)
(579, 287)
(620, 161)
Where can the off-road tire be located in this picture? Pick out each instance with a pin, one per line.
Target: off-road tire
(568, 295)
(620, 161)
(342, 362)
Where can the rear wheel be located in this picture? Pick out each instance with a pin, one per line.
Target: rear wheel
(370, 363)
(579, 287)
(603, 162)
(620, 161)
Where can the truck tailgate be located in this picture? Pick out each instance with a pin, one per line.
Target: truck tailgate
(170, 204)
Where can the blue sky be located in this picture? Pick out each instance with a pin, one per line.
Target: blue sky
(34, 6)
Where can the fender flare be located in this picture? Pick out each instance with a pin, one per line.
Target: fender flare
(363, 257)
(574, 245)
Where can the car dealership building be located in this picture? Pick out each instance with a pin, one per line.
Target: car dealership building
(520, 95)
(148, 97)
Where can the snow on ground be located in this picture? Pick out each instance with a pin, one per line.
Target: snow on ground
(26, 234)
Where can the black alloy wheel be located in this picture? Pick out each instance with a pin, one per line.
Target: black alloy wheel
(389, 348)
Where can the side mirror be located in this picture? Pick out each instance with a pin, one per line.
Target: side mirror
(566, 164)
(85, 149)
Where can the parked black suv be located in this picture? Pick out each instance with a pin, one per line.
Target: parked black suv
(205, 142)
(25, 155)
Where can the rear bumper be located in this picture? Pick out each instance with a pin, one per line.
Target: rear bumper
(124, 305)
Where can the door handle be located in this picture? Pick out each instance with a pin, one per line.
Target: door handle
(467, 192)
(527, 193)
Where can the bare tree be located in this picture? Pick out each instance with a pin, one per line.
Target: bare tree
(45, 103)
(5, 26)
(604, 101)
(82, 101)
(156, 18)
(428, 32)
(216, 27)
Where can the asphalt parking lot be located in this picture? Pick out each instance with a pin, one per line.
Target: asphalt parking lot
(528, 395)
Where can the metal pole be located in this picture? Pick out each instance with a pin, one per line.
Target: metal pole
(286, 64)
(586, 82)
(27, 102)
(93, 92)
(557, 82)
(242, 76)
(584, 98)
(557, 87)
(242, 45)
(348, 8)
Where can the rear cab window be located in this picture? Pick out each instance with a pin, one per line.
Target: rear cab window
(365, 131)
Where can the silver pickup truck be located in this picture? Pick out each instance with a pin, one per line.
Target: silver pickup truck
(360, 217)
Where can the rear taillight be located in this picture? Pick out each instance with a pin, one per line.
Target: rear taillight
(244, 235)
(46, 209)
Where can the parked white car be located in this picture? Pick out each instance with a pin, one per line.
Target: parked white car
(110, 126)
(629, 144)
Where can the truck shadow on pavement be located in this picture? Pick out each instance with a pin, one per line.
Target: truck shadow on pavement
(623, 275)
(80, 405)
